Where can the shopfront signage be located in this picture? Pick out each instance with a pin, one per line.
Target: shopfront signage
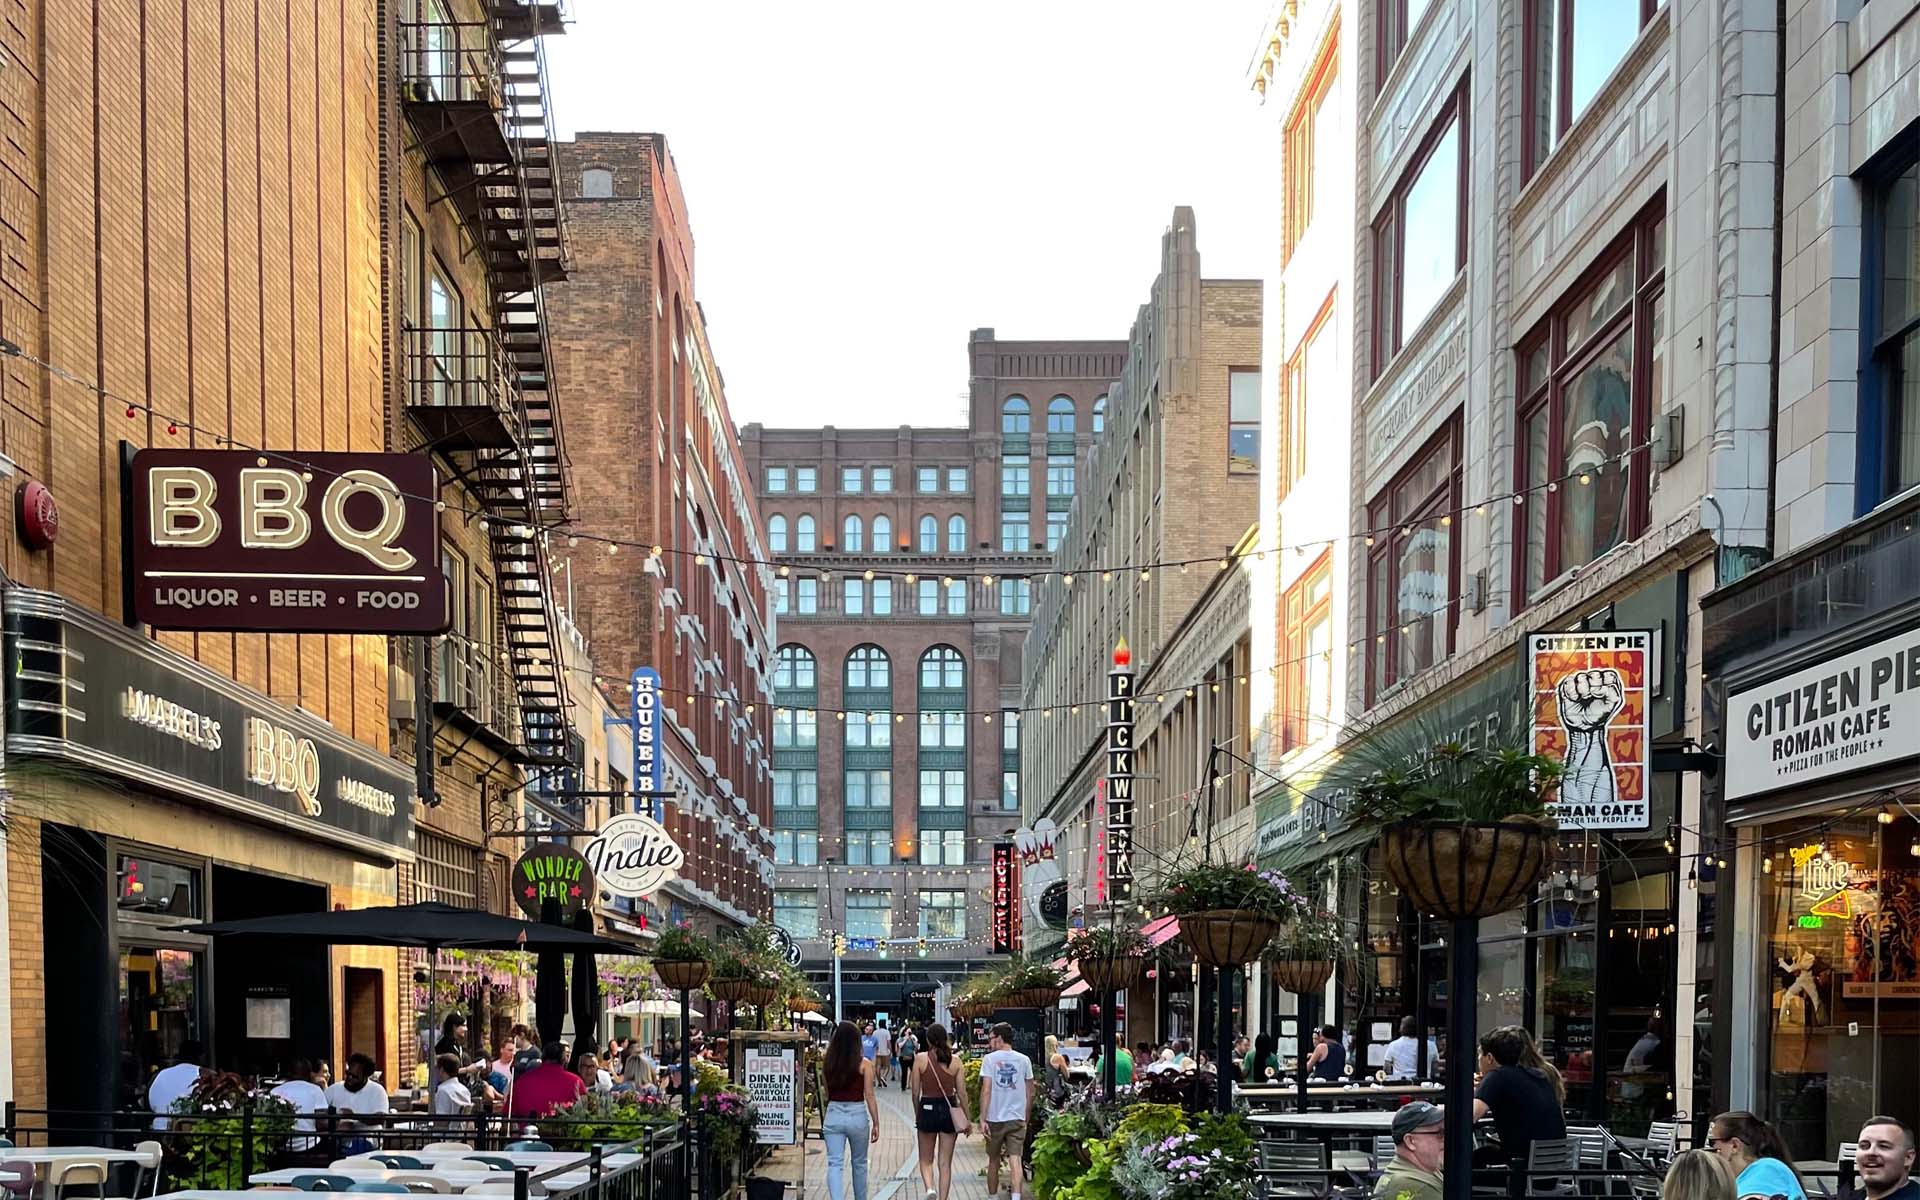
(1590, 698)
(1006, 906)
(634, 855)
(233, 540)
(773, 1084)
(1120, 760)
(1053, 905)
(90, 691)
(646, 730)
(551, 871)
(1856, 710)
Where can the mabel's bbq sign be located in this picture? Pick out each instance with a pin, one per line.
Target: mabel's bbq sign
(336, 543)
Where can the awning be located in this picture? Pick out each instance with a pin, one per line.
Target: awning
(1074, 989)
(652, 1008)
(1161, 930)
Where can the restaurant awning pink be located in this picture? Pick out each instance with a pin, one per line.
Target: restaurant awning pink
(1075, 988)
(1161, 930)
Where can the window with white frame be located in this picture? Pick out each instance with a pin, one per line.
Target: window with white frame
(943, 913)
(853, 595)
(1243, 421)
(927, 597)
(776, 479)
(806, 593)
(943, 848)
(806, 479)
(797, 910)
(805, 535)
(956, 534)
(868, 848)
(882, 479)
(882, 534)
(956, 481)
(943, 789)
(869, 913)
(777, 534)
(957, 598)
(926, 480)
(883, 597)
(850, 479)
(929, 536)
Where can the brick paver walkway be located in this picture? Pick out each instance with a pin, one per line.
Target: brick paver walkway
(893, 1165)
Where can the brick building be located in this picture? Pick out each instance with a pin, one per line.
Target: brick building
(655, 461)
(903, 608)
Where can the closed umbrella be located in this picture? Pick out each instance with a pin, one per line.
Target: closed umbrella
(550, 983)
(586, 987)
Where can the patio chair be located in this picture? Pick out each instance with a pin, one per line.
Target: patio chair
(1662, 1138)
(1847, 1153)
(540, 1147)
(379, 1185)
(399, 1162)
(16, 1178)
(496, 1162)
(146, 1180)
(77, 1173)
(1549, 1163)
(1383, 1150)
(453, 1147)
(323, 1181)
(1294, 1169)
(420, 1181)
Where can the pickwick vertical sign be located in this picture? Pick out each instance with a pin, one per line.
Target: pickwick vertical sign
(1590, 692)
(1120, 776)
(1006, 907)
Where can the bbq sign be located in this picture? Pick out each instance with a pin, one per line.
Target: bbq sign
(235, 541)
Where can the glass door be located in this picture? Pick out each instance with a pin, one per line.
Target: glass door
(162, 1007)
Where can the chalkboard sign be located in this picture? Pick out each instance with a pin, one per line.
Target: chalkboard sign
(1029, 1035)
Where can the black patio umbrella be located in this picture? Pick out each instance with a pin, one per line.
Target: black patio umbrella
(586, 988)
(550, 980)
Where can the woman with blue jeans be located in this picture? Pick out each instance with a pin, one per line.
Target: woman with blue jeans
(852, 1121)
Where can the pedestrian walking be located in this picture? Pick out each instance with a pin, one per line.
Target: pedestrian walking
(939, 1115)
(1762, 1164)
(883, 1053)
(1698, 1175)
(908, 1048)
(852, 1120)
(1006, 1101)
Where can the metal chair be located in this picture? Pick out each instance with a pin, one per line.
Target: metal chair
(1550, 1163)
(420, 1181)
(1383, 1150)
(1294, 1170)
(324, 1181)
(148, 1178)
(1662, 1138)
(77, 1173)
(379, 1185)
(399, 1162)
(538, 1146)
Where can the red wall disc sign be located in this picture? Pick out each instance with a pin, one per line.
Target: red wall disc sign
(39, 515)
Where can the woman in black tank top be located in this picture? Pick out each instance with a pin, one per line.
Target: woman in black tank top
(936, 1085)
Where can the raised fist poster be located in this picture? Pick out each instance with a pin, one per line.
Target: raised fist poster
(1590, 716)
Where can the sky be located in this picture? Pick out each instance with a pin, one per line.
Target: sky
(868, 182)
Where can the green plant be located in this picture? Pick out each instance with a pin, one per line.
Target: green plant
(1204, 887)
(1420, 770)
(984, 985)
(1179, 1167)
(726, 1122)
(747, 955)
(970, 1083)
(1101, 941)
(1150, 1120)
(599, 1119)
(680, 943)
(1022, 973)
(708, 1078)
(1313, 935)
(1230, 1133)
(223, 1114)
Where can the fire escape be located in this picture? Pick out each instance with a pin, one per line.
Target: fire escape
(475, 98)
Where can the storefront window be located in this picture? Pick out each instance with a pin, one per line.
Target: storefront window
(163, 888)
(161, 994)
(1841, 911)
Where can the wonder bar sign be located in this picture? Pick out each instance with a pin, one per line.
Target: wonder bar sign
(233, 540)
(1120, 760)
(1857, 710)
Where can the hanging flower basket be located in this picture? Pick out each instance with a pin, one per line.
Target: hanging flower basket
(733, 991)
(1033, 997)
(1227, 937)
(682, 975)
(762, 994)
(803, 1004)
(1115, 974)
(1302, 976)
(1462, 871)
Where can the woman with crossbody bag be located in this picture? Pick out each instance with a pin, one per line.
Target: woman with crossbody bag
(938, 1113)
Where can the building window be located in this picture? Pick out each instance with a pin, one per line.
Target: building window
(1311, 376)
(942, 789)
(1010, 731)
(850, 479)
(942, 669)
(883, 479)
(853, 596)
(1016, 597)
(796, 847)
(956, 480)
(797, 910)
(794, 667)
(1243, 421)
(1587, 385)
(882, 534)
(596, 183)
(1016, 475)
(795, 729)
(806, 594)
(805, 536)
(1016, 535)
(806, 479)
(1420, 239)
(776, 479)
(796, 789)
(777, 534)
(956, 534)
(943, 848)
(1398, 19)
(869, 848)
(1100, 414)
(883, 597)
(1059, 474)
(1060, 415)
(1306, 655)
(1411, 567)
(870, 789)
(869, 667)
(943, 913)
(1009, 791)
(927, 479)
(869, 914)
(1056, 531)
(927, 596)
(1313, 126)
(1890, 395)
(1016, 417)
(956, 598)
(1571, 48)
(781, 601)
(852, 535)
(929, 535)
(869, 730)
(943, 730)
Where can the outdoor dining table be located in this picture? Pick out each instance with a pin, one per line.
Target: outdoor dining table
(458, 1178)
(1286, 1094)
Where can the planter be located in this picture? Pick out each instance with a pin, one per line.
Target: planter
(1227, 937)
(1302, 976)
(1115, 974)
(682, 975)
(802, 1004)
(1462, 871)
(1033, 997)
(733, 991)
(760, 995)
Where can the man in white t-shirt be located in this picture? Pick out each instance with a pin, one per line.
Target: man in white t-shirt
(359, 1093)
(450, 1096)
(303, 1091)
(1006, 1099)
(175, 1081)
(1402, 1059)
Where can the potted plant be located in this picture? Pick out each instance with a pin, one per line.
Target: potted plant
(1302, 956)
(1227, 913)
(680, 957)
(975, 996)
(1031, 983)
(735, 977)
(1109, 958)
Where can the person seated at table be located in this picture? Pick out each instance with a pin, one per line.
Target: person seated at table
(451, 1097)
(586, 1064)
(172, 1083)
(1762, 1164)
(1698, 1175)
(357, 1094)
(1402, 1060)
(1885, 1160)
(302, 1089)
(1419, 1154)
(1328, 1062)
(547, 1086)
(1262, 1062)
(1524, 1095)
(638, 1074)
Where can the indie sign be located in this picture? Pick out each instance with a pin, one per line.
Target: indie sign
(646, 730)
(551, 871)
(232, 540)
(633, 855)
(1120, 758)
(1590, 698)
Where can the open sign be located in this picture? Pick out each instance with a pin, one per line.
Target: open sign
(231, 540)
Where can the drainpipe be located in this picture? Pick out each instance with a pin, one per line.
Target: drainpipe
(1779, 192)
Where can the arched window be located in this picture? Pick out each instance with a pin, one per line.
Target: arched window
(1060, 415)
(596, 183)
(869, 667)
(777, 533)
(1100, 415)
(793, 667)
(882, 534)
(804, 537)
(956, 534)
(852, 535)
(929, 536)
(1014, 416)
(942, 669)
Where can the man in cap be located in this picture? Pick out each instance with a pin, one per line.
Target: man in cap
(1419, 1151)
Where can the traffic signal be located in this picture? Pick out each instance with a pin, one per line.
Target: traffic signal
(923, 947)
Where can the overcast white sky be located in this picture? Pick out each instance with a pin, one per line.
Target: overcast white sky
(868, 182)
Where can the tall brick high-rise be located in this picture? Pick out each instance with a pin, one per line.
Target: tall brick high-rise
(907, 557)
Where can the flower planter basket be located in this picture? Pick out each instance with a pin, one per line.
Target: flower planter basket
(1033, 997)
(1302, 976)
(1227, 937)
(803, 1004)
(1467, 870)
(1115, 974)
(761, 994)
(733, 991)
(682, 975)
(967, 1010)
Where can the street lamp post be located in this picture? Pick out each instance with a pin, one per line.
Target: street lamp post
(1463, 965)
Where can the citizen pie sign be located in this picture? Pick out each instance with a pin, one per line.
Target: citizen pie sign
(633, 855)
(1856, 710)
(236, 541)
